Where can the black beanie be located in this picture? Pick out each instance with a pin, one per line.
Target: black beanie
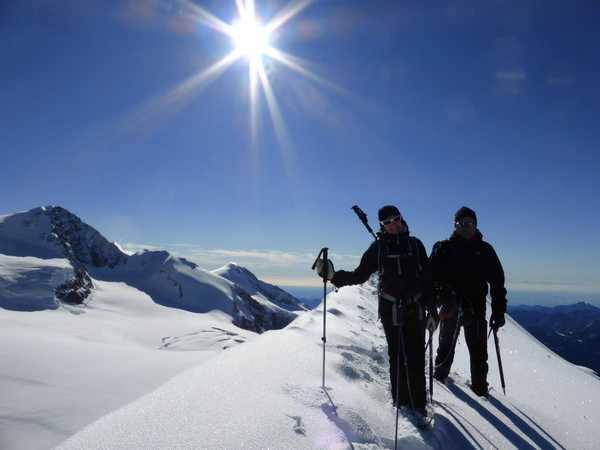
(465, 212)
(388, 211)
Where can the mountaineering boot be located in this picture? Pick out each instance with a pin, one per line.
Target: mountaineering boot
(422, 419)
(442, 379)
(480, 391)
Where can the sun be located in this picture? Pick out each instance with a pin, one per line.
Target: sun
(253, 41)
(251, 38)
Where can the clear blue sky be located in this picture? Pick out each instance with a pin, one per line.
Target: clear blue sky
(493, 105)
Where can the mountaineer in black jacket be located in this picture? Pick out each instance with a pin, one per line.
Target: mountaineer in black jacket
(405, 297)
(462, 267)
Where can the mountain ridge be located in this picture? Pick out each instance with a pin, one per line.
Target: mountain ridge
(54, 232)
(572, 331)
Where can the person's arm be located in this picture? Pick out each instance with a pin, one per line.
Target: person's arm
(444, 291)
(368, 265)
(425, 280)
(495, 277)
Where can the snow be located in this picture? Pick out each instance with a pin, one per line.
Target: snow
(153, 360)
(28, 284)
(28, 234)
(64, 368)
(266, 394)
(172, 282)
(54, 232)
(257, 289)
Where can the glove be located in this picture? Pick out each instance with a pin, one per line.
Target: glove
(325, 270)
(448, 311)
(433, 320)
(497, 320)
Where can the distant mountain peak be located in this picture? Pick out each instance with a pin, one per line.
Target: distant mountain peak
(49, 232)
(252, 285)
(55, 232)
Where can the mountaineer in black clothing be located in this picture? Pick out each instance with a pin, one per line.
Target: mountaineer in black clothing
(405, 296)
(462, 267)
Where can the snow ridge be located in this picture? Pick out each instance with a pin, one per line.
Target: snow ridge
(267, 394)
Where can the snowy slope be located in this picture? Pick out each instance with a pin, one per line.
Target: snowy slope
(29, 284)
(266, 394)
(64, 368)
(54, 232)
(65, 365)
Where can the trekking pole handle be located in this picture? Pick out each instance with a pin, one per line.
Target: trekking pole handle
(324, 251)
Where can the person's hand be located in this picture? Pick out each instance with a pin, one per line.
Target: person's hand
(433, 321)
(497, 320)
(325, 270)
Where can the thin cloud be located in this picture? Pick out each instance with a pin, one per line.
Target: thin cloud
(272, 263)
(511, 76)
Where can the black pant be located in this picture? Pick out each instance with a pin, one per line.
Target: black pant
(412, 328)
(475, 334)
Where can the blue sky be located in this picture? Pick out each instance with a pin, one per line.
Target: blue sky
(492, 105)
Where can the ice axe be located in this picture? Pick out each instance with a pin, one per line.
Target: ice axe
(363, 218)
(495, 331)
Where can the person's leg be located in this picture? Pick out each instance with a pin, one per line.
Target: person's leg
(414, 340)
(391, 335)
(475, 335)
(446, 344)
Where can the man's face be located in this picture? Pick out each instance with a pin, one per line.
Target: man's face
(465, 227)
(393, 225)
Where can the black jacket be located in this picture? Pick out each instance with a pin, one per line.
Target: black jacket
(463, 268)
(404, 271)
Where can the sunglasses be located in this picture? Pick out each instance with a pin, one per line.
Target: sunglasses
(464, 224)
(391, 220)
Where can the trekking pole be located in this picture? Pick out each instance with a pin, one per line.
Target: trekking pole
(323, 252)
(363, 218)
(454, 338)
(499, 360)
(400, 323)
(397, 394)
(430, 367)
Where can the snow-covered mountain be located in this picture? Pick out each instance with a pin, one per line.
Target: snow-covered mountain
(572, 331)
(267, 394)
(255, 287)
(80, 255)
(121, 370)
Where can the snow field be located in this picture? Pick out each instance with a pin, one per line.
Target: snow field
(64, 368)
(266, 394)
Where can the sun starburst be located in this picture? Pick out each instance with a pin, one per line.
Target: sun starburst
(253, 41)
(251, 38)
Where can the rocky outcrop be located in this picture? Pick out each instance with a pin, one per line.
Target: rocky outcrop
(81, 243)
(75, 290)
(250, 314)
